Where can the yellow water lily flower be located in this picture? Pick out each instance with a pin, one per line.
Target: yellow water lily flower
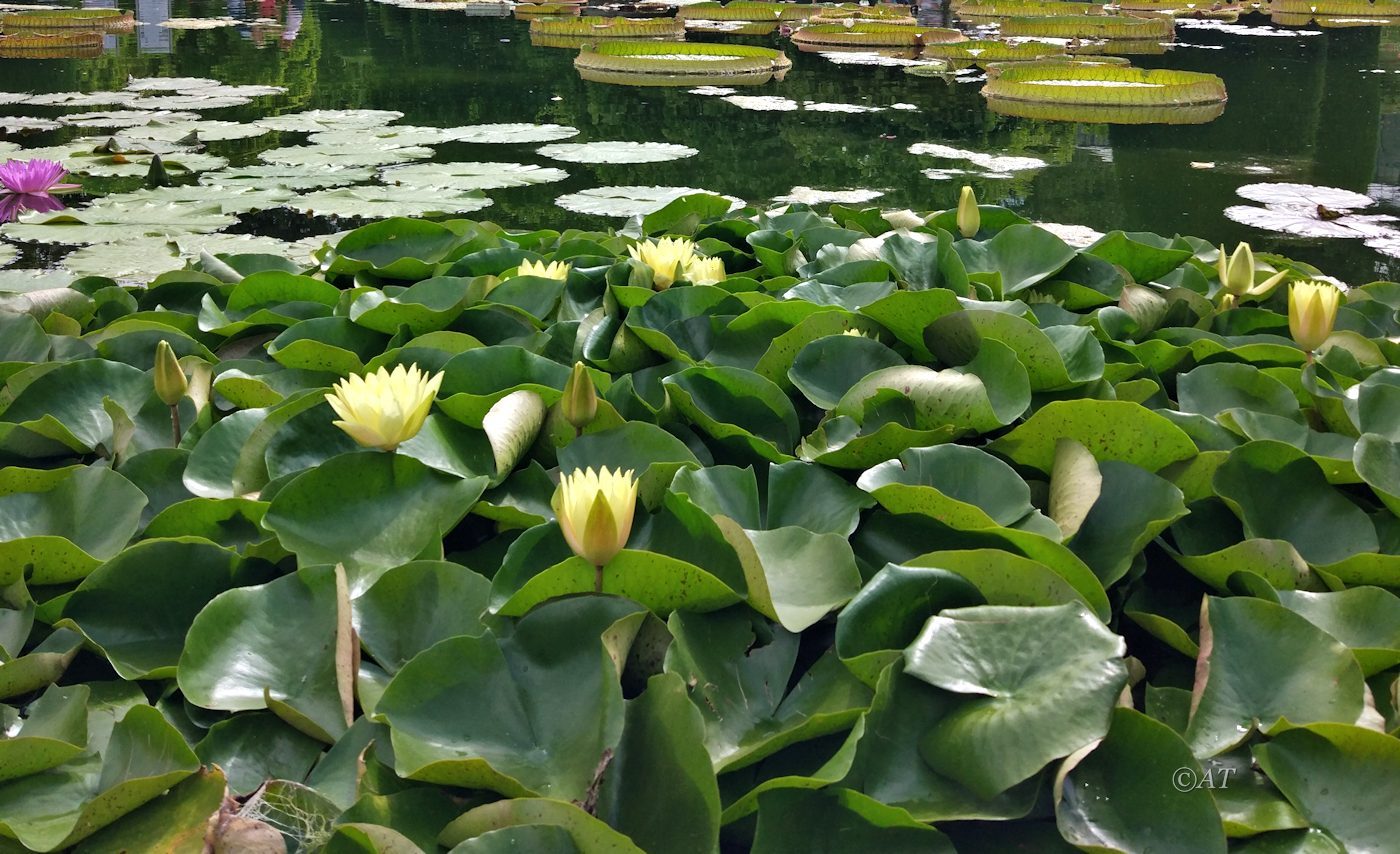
(557, 270)
(595, 512)
(1312, 311)
(171, 383)
(969, 217)
(383, 410)
(705, 271)
(668, 259)
(1236, 274)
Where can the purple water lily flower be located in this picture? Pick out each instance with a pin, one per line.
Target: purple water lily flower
(33, 176)
(14, 204)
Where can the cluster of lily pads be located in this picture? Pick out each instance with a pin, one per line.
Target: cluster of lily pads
(775, 531)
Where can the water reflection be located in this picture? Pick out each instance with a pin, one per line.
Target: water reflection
(14, 204)
(264, 22)
(151, 37)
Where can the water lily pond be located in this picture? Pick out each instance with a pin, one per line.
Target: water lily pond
(441, 427)
(1307, 105)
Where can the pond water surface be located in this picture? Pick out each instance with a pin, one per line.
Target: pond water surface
(1307, 106)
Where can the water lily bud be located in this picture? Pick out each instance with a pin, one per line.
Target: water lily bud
(969, 217)
(1241, 271)
(668, 259)
(383, 410)
(595, 512)
(171, 384)
(557, 270)
(580, 402)
(1312, 311)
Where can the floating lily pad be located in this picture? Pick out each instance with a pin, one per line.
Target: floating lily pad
(514, 133)
(141, 259)
(764, 103)
(389, 201)
(625, 201)
(809, 196)
(471, 176)
(81, 99)
(314, 121)
(17, 124)
(113, 222)
(389, 134)
(125, 118)
(340, 156)
(168, 84)
(289, 177)
(991, 162)
(206, 131)
(190, 102)
(617, 152)
(1308, 210)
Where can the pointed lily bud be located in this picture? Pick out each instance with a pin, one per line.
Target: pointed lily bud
(969, 217)
(1312, 311)
(171, 384)
(1241, 271)
(580, 402)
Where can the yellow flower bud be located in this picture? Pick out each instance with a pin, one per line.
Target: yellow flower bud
(595, 512)
(171, 384)
(557, 270)
(1312, 311)
(1240, 271)
(705, 271)
(580, 402)
(383, 410)
(668, 259)
(969, 217)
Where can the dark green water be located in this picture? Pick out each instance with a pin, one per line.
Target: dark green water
(1309, 108)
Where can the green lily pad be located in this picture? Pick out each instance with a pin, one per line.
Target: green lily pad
(64, 532)
(546, 698)
(282, 646)
(1127, 794)
(1110, 429)
(369, 511)
(1262, 664)
(1336, 775)
(1027, 705)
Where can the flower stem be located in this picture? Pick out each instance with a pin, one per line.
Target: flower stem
(597, 579)
(175, 423)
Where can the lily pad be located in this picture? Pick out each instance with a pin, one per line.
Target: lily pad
(513, 133)
(314, 121)
(380, 202)
(470, 176)
(617, 152)
(624, 201)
